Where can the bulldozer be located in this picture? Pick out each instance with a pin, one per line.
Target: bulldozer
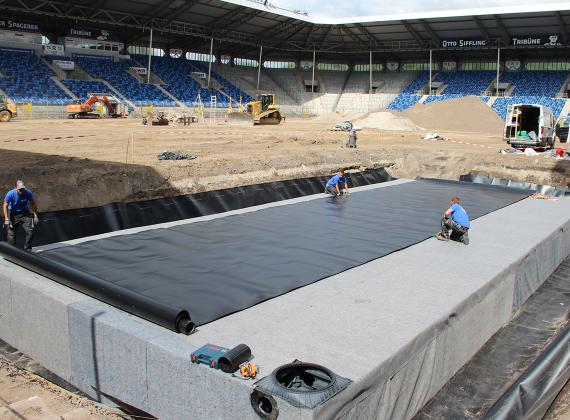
(7, 110)
(264, 111)
(79, 109)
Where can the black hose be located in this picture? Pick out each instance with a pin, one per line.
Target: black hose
(174, 319)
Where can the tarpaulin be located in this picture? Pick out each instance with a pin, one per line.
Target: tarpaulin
(535, 188)
(216, 267)
(70, 224)
(532, 394)
(496, 377)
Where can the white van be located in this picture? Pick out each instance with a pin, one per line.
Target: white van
(528, 125)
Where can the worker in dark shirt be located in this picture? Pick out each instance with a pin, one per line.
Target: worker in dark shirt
(455, 222)
(20, 209)
(333, 184)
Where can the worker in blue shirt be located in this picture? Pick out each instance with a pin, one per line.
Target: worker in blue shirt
(333, 184)
(455, 222)
(20, 209)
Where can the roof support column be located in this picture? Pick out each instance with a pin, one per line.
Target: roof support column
(430, 69)
(498, 70)
(259, 67)
(149, 53)
(210, 61)
(313, 80)
(370, 86)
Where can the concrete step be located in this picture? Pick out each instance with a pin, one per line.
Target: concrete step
(171, 96)
(56, 69)
(491, 101)
(63, 87)
(118, 94)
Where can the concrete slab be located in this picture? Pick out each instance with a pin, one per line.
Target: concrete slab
(399, 326)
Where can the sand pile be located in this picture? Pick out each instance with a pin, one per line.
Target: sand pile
(385, 120)
(469, 114)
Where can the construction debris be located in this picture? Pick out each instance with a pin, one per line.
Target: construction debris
(434, 137)
(552, 153)
(170, 155)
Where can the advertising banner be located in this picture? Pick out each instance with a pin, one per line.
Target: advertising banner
(464, 43)
(18, 26)
(54, 49)
(539, 40)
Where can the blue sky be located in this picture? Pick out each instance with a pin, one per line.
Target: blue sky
(347, 8)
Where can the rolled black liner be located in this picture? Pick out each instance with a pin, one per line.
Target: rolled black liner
(175, 319)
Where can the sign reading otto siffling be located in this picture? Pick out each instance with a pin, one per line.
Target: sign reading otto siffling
(537, 41)
(464, 43)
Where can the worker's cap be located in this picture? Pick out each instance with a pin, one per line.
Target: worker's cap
(20, 185)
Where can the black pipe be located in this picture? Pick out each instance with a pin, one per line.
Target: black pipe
(174, 319)
(231, 360)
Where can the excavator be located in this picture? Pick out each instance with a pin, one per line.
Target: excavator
(263, 109)
(79, 109)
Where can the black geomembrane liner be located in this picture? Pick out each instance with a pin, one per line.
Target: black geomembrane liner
(216, 267)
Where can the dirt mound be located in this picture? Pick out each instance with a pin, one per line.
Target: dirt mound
(469, 114)
(385, 120)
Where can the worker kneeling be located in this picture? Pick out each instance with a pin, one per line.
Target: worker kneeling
(455, 223)
(333, 184)
(16, 208)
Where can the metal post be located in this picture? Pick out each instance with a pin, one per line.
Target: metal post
(149, 53)
(210, 61)
(498, 69)
(259, 66)
(370, 89)
(313, 81)
(430, 69)
(370, 86)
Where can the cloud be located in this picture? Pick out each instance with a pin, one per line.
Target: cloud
(343, 8)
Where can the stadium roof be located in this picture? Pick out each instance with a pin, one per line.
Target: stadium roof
(241, 26)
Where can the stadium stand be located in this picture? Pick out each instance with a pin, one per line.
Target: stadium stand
(535, 87)
(409, 96)
(177, 76)
(24, 77)
(535, 83)
(501, 104)
(465, 83)
(82, 88)
(389, 86)
(116, 74)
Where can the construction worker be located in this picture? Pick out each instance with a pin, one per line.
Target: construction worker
(455, 221)
(20, 208)
(332, 186)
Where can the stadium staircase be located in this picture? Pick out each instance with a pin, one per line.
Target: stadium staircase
(116, 74)
(409, 96)
(27, 78)
(63, 87)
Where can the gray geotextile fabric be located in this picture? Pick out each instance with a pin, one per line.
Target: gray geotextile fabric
(217, 267)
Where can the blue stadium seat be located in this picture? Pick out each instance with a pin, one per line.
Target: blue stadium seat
(26, 78)
(501, 104)
(82, 88)
(116, 74)
(408, 97)
(176, 73)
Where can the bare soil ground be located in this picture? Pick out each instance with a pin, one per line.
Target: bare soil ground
(116, 160)
(24, 395)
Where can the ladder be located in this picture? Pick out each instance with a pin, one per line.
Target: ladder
(514, 123)
(213, 106)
